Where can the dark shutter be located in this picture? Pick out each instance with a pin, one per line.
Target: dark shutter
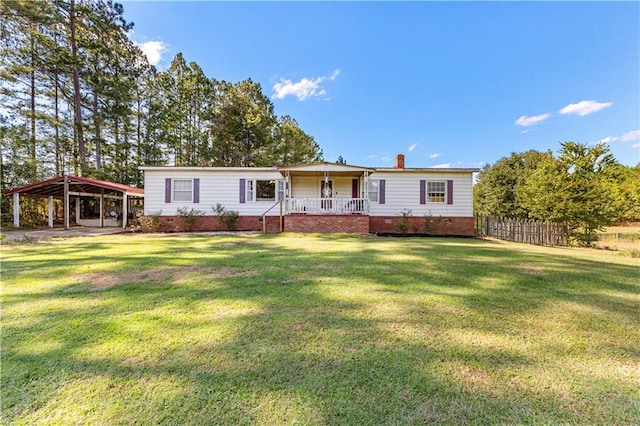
(243, 190)
(423, 192)
(381, 187)
(449, 192)
(167, 190)
(196, 190)
(354, 188)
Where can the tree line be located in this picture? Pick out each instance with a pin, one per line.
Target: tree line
(583, 187)
(77, 96)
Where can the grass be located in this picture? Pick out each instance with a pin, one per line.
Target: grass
(317, 329)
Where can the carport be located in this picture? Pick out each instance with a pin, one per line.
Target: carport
(65, 187)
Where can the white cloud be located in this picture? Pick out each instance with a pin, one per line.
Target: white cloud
(412, 147)
(583, 108)
(526, 121)
(385, 158)
(441, 166)
(153, 50)
(303, 89)
(609, 139)
(434, 155)
(369, 157)
(631, 136)
(635, 145)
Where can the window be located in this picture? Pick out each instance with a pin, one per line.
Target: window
(265, 190)
(436, 192)
(373, 188)
(182, 190)
(280, 189)
(251, 184)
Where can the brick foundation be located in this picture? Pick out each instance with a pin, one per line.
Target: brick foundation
(444, 226)
(350, 223)
(354, 224)
(206, 223)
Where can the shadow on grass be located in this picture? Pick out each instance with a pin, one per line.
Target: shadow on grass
(347, 331)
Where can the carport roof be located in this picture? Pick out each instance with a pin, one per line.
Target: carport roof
(55, 187)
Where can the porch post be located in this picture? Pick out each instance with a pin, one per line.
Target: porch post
(50, 211)
(365, 192)
(366, 185)
(287, 190)
(16, 210)
(66, 202)
(125, 210)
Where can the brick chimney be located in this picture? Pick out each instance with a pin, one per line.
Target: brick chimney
(399, 161)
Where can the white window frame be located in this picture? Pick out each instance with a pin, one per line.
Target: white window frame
(252, 190)
(280, 189)
(175, 191)
(375, 182)
(431, 199)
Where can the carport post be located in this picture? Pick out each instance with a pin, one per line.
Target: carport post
(102, 208)
(50, 211)
(66, 202)
(16, 210)
(78, 209)
(125, 209)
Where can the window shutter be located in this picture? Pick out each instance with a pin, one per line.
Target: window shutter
(381, 187)
(449, 192)
(243, 190)
(354, 188)
(423, 192)
(167, 190)
(196, 190)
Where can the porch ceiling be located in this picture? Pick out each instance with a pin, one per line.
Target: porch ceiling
(320, 174)
(319, 169)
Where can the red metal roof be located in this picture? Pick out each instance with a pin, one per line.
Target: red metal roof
(55, 187)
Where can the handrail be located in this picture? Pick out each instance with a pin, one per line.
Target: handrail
(332, 205)
(264, 222)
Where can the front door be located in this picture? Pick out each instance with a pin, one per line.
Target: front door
(326, 191)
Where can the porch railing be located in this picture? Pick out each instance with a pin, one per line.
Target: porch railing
(328, 205)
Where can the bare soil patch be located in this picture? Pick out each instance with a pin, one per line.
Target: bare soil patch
(104, 280)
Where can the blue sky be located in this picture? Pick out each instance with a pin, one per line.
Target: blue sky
(447, 84)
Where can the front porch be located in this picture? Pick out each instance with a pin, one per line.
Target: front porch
(326, 189)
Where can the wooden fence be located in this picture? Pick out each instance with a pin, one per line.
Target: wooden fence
(522, 230)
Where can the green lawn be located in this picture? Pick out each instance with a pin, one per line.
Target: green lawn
(312, 329)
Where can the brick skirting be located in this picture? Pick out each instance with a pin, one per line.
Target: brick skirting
(444, 226)
(206, 223)
(355, 224)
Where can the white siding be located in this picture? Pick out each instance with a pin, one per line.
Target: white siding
(402, 191)
(216, 186)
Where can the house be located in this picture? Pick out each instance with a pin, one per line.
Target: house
(317, 197)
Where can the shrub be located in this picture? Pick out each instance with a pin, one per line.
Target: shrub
(226, 218)
(153, 221)
(431, 224)
(188, 217)
(403, 223)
